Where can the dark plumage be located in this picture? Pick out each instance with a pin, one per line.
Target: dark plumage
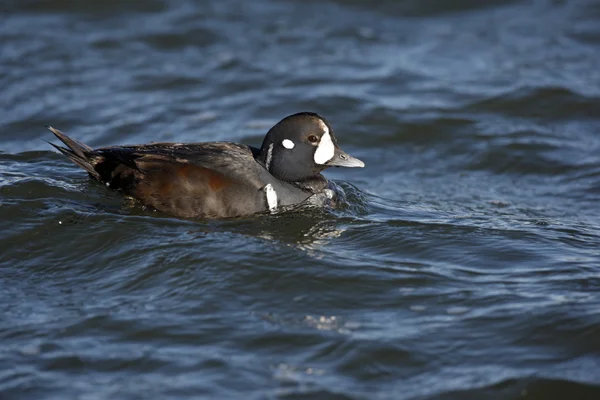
(219, 179)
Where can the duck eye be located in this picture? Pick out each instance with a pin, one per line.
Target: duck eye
(313, 139)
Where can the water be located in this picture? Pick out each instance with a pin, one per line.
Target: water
(463, 264)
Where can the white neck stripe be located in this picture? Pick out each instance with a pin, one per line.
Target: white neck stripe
(269, 157)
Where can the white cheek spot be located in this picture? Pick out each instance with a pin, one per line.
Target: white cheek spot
(271, 197)
(325, 149)
(288, 144)
(108, 184)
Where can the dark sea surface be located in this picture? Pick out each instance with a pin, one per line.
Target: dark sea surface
(462, 263)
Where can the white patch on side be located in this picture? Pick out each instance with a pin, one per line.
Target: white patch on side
(271, 197)
(325, 149)
(288, 144)
(269, 156)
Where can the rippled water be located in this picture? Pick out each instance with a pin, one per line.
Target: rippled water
(464, 263)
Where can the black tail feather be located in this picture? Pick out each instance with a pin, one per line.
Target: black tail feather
(80, 153)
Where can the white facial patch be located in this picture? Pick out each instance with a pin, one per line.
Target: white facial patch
(288, 144)
(271, 197)
(325, 149)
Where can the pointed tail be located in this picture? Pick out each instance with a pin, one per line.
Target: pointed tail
(81, 154)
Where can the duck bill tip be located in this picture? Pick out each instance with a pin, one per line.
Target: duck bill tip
(341, 159)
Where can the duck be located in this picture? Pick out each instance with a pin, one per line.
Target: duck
(219, 179)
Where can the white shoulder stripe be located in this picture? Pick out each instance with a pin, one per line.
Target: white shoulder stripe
(271, 197)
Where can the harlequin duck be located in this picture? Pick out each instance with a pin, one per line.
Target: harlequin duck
(219, 179)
